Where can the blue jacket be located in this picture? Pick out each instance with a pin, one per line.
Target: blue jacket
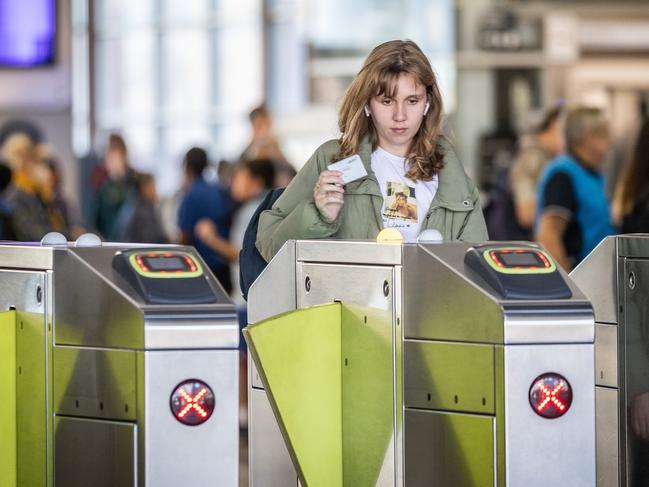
(592, 216)
(205, 200)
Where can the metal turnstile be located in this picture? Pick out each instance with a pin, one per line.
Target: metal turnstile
(615, 276)
(119, 365)
(419, 365)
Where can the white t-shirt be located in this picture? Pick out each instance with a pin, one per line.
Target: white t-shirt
(405, 202)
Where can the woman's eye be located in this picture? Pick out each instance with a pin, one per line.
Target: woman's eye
(386, 101)
(413, 101)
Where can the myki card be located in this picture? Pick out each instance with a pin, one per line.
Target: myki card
(351, 167)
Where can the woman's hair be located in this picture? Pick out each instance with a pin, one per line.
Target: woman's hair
(117, 142)
(379, 76)
(635, 179)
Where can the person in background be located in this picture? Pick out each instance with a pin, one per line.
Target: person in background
(541, 143)
(28, 190)
(631, 200)
(390, 117)
(114, 189)
(224, 172)
(251, 181)
(64, 217)
(139, 220)
(265, 145)
(6, 209)
(284, 174)
(572, 211)
(204, 200)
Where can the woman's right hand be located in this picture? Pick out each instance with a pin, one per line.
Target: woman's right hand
(328, 194)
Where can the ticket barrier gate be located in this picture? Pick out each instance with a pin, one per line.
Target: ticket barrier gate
(119, 367)
(615, 276)
(419, 365)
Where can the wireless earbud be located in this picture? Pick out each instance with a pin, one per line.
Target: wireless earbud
(426, 107)
(367, 111)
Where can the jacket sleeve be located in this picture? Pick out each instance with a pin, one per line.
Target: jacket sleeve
(294, 215)
(475, 228)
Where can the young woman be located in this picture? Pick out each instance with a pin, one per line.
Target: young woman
(390, 116)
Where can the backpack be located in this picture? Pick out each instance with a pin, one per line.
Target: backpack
(500, 213)
(251, 263)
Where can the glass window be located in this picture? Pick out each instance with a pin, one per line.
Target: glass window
(115, 15)
(172, 74)
(187, 10)
(138, 73)
(186, 78)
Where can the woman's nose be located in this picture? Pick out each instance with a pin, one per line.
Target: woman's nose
(399, 114)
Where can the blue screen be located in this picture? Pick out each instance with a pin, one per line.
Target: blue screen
(27, 32)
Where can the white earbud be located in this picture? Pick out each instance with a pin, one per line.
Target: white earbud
(367, 111)
(426, 108)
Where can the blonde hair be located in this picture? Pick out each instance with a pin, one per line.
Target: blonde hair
(378, 76)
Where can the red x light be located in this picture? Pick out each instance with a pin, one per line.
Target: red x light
(550, 395)
(192, 402)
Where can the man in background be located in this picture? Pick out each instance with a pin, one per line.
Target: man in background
(573, 211)
(205, 200)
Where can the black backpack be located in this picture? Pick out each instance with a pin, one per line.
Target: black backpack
(251, 263)
(500, 213)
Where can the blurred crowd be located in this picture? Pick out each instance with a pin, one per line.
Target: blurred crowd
(31, 201)
(555, 192)
(210, 213)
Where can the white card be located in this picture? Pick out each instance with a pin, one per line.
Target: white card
(351, 167)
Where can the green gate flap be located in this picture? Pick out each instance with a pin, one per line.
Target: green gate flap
(8, 405)
(31, 399)
(23, 410)
(368, 395)
(298, 357)
(329, 374)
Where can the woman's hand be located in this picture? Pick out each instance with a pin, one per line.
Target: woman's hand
(328, 194)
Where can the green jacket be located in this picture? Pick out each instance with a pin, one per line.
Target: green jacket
(455, 210)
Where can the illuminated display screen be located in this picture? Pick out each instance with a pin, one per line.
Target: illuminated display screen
(520, 259)
(27, 32)
(162, 263)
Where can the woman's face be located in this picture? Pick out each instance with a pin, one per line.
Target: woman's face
(401, 201)
(398, 119)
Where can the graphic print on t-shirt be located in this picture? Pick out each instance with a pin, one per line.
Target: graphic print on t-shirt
(400, 203)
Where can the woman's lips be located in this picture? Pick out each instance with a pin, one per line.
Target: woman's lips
(398, 130)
